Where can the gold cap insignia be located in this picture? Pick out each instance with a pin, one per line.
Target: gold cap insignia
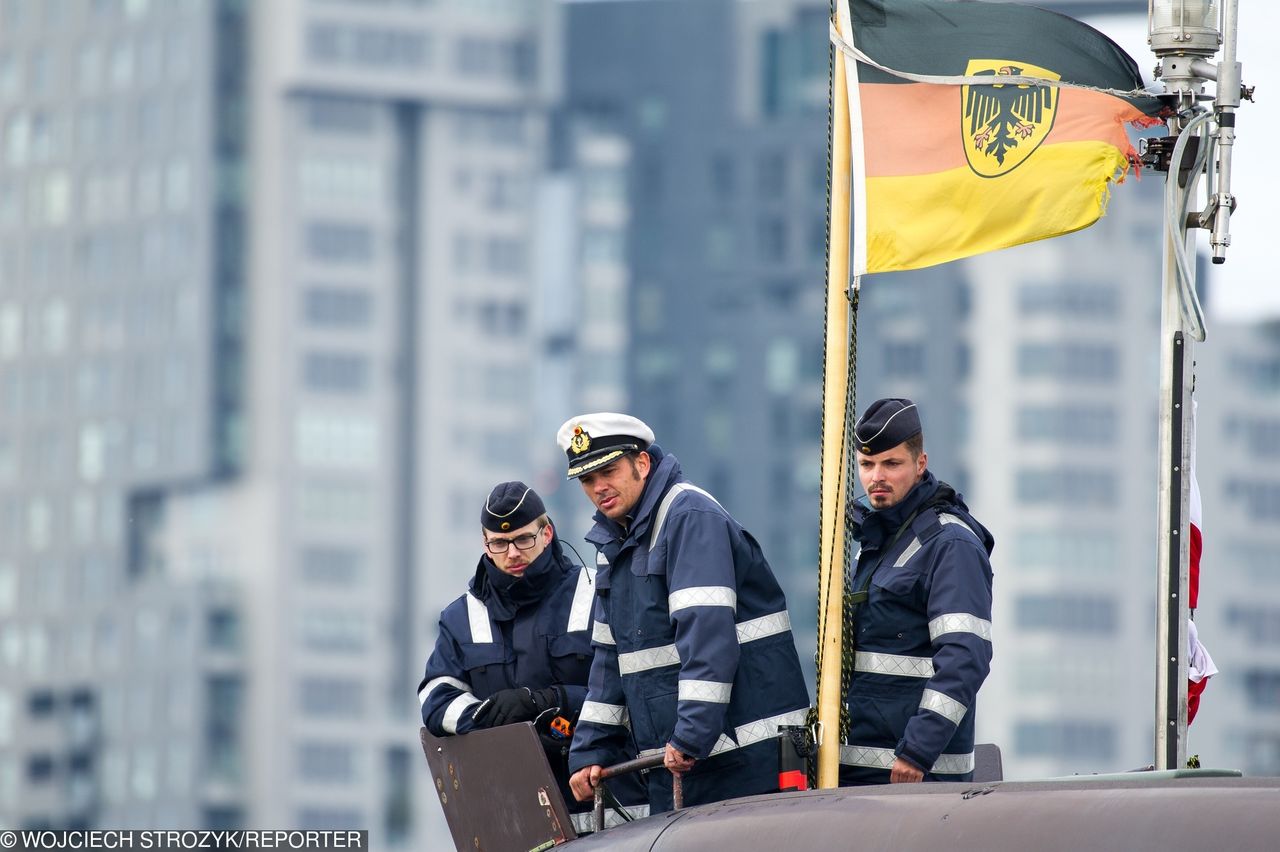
(506, 525)
(866, 450)
(580, 442)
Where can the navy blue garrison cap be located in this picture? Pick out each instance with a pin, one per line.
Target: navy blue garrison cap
(511, 505)
(885, 424)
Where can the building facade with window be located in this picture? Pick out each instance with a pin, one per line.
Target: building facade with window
(1238, 442)
(121, 275)
(269, 332)
(1055, 427)
(1062, 451)
(723, 108)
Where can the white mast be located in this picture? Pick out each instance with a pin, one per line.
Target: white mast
(1184, 34)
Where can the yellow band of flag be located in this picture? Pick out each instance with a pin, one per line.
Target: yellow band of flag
(920, 220)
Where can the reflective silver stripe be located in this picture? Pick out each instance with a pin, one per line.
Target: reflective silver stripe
(765, 625)
(748, 734)
(882, 758)
(705, 690)
(585, 824)
(892, 664)
(761, 729)
(959, 622)
(702, 596)
(955, 519)
(660, 517)
(667, 655)
(604, 714)
(871, 758)
(723, 744)
(430, 686)
(912, 549)
(944, 705)
(953, 764)
(583, 595)
(650, 658)
(478, 617)
(602, 633)
(453, 712)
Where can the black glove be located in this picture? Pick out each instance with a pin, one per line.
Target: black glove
(550, 697)
(506, 707)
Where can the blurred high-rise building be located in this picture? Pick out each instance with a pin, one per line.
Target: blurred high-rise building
(1238, 443)
(1036, 373)
(581, 303)
(1061, 446)
(121, 363)
(724, 107)
(273, 310)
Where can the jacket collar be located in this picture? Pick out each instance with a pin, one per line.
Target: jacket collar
(874, 527)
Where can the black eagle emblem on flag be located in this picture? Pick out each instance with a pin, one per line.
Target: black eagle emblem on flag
(1003, 122)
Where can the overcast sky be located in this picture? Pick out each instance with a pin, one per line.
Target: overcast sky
(1247, 286)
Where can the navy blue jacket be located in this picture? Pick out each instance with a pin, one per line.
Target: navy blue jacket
(506, 632)
(923, 637)
(693, 645)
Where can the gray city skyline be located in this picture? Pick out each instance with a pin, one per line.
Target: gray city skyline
(286, 287)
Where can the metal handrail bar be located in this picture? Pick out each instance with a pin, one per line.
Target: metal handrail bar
(650, 761)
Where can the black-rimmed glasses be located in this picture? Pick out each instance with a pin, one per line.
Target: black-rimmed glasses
(526, 541)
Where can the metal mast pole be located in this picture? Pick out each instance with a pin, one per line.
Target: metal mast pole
(1183, 33)
(1171, 510)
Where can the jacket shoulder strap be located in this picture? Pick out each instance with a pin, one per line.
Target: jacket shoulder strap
(948, 518)
(660, 517)
(478, 620)
(583, 595)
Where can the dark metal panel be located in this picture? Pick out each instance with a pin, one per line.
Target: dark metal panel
(497, 790)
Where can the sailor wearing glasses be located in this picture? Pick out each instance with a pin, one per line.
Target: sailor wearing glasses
(517, 646)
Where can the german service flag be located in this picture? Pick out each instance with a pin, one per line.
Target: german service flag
(945, 164)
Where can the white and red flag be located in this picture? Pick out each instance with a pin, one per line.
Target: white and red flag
(1200, 665)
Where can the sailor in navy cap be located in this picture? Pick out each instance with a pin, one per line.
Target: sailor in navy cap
(884, 425)
(922, 611)
(693, 649)
(517, 646)
(594, 440)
